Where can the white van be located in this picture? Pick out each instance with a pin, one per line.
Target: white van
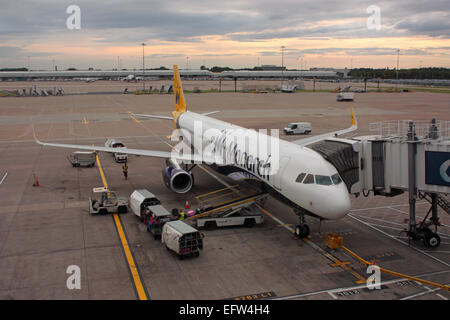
(298, 128)
(114, 143)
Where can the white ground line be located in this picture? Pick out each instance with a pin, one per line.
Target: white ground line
(394, 238)
(422, 293)
(386, 207)
(442, 235)
(441, 296)
(407, 214)
(4, 177)
(387, 227)
(377, 219)
(332, 294)
(362, 286)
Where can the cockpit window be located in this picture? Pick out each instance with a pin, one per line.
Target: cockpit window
(323, 180)
(309, 179)
(300, 177)
(336, 178)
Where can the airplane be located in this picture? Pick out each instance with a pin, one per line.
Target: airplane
(87, 79)
(131, 77)
(303, 179)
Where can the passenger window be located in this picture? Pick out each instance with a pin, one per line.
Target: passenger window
(336, 178)
(294, 126)
(300, 177)
(323, 180)
(309, 179)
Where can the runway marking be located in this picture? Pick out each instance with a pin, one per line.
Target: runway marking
(422, 293)
(441, 296)
(394, 238)
(4, 177)
(133, 117)
(139, 287)
(335, 290)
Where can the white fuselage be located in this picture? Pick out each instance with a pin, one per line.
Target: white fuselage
(276, 162)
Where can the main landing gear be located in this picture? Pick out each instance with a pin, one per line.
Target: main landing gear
(302, 229)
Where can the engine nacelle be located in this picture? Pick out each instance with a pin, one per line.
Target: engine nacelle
(177, 179)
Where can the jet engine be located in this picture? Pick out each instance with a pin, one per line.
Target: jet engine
(177, 179)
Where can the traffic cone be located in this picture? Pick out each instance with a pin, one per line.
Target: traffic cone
(36, 181)
(187, 205)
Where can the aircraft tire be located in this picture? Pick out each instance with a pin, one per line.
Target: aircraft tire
(302, 231)
(431, 240)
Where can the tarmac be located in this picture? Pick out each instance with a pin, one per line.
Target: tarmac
(46, 229)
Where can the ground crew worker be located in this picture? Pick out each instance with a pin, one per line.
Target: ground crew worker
(125, 170)
(182, 215)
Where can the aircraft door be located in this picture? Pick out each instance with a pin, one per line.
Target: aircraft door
(278, 177)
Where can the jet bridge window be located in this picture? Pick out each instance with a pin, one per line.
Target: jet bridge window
(323, 180)
(309, 179)
(300, 177)
(336, 178)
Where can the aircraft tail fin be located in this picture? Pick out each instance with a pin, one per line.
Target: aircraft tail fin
(180, 103)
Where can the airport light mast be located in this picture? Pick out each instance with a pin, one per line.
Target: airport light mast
(143, 66)
(282, 64)
(396, 82)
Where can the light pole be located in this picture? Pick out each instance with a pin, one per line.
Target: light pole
(396, 82)
(282, 64)
(143, 66)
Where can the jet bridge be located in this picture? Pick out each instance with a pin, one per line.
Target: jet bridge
(404, 156)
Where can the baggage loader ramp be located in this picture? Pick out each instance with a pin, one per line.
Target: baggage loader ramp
(227, 201)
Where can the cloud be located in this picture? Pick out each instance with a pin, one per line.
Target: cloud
(12, 51)
(239, 20)
(245, 25)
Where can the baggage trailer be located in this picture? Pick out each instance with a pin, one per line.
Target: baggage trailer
(82, 158)
(181, 238)
(148, 208)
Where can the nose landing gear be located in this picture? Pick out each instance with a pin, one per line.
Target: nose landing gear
(302, 229)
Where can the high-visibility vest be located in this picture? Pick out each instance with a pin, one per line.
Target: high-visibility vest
(125, 168)
(182, 215)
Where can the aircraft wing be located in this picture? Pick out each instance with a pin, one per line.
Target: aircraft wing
(320, 137)
(151, 116)
(166, 117)
(138, 152)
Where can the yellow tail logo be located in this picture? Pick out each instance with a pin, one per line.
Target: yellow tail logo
(180, 103)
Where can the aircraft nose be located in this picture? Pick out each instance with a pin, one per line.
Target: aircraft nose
(337, 206)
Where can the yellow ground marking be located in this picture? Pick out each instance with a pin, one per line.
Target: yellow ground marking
(284, 225)
(397, 274)
(134, 272)
(100, 169)
(133, 117)
(126, 248)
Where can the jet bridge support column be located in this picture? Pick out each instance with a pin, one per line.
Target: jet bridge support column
(434, 209)
(412, 150)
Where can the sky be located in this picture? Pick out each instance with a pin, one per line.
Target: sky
(235, 33)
